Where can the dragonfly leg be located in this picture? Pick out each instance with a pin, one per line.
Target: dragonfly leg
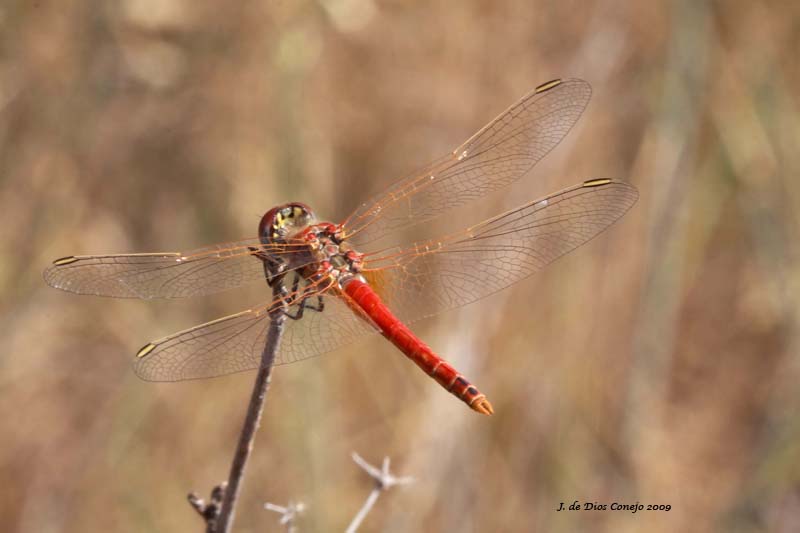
(274, 269)
(320, 307)
(301, 300)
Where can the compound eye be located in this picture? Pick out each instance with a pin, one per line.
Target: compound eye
(302, 218)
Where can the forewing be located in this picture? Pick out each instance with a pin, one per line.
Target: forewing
(163, 275)
(497, 155)
(235, 343)
(435, 275)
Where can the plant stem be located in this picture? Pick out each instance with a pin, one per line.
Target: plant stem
(364, 511)
(224, 521)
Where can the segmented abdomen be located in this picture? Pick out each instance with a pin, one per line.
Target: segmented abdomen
(398, 333)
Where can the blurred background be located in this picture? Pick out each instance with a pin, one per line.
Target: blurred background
(653, 365)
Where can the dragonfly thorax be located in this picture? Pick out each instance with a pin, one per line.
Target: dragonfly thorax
(334, 258)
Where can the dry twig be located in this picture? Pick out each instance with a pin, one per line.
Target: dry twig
(384, 480)
(219, 512)
(288, 513)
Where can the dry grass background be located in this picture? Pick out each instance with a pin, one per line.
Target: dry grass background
(657, 364)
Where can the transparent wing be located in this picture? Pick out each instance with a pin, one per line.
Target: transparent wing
(418, 281)
(164, 275)
(497, 155)
(235, 343)
(441, 274)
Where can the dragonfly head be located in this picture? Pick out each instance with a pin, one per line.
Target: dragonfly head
(284, 221)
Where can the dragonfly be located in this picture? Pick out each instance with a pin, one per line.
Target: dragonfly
(341, 282)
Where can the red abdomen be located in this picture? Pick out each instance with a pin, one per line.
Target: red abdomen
(398, 333)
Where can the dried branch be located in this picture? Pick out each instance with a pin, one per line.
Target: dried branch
(209, 511)
(288, 514)
(219, 517)
(384, 480)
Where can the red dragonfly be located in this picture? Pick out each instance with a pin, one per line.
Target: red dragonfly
(340, 282)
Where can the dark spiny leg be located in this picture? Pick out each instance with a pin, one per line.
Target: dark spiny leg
(274, 269)
(298, 299)
(320, 307)
(275, 272)
(291, 299)
(302, 301)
